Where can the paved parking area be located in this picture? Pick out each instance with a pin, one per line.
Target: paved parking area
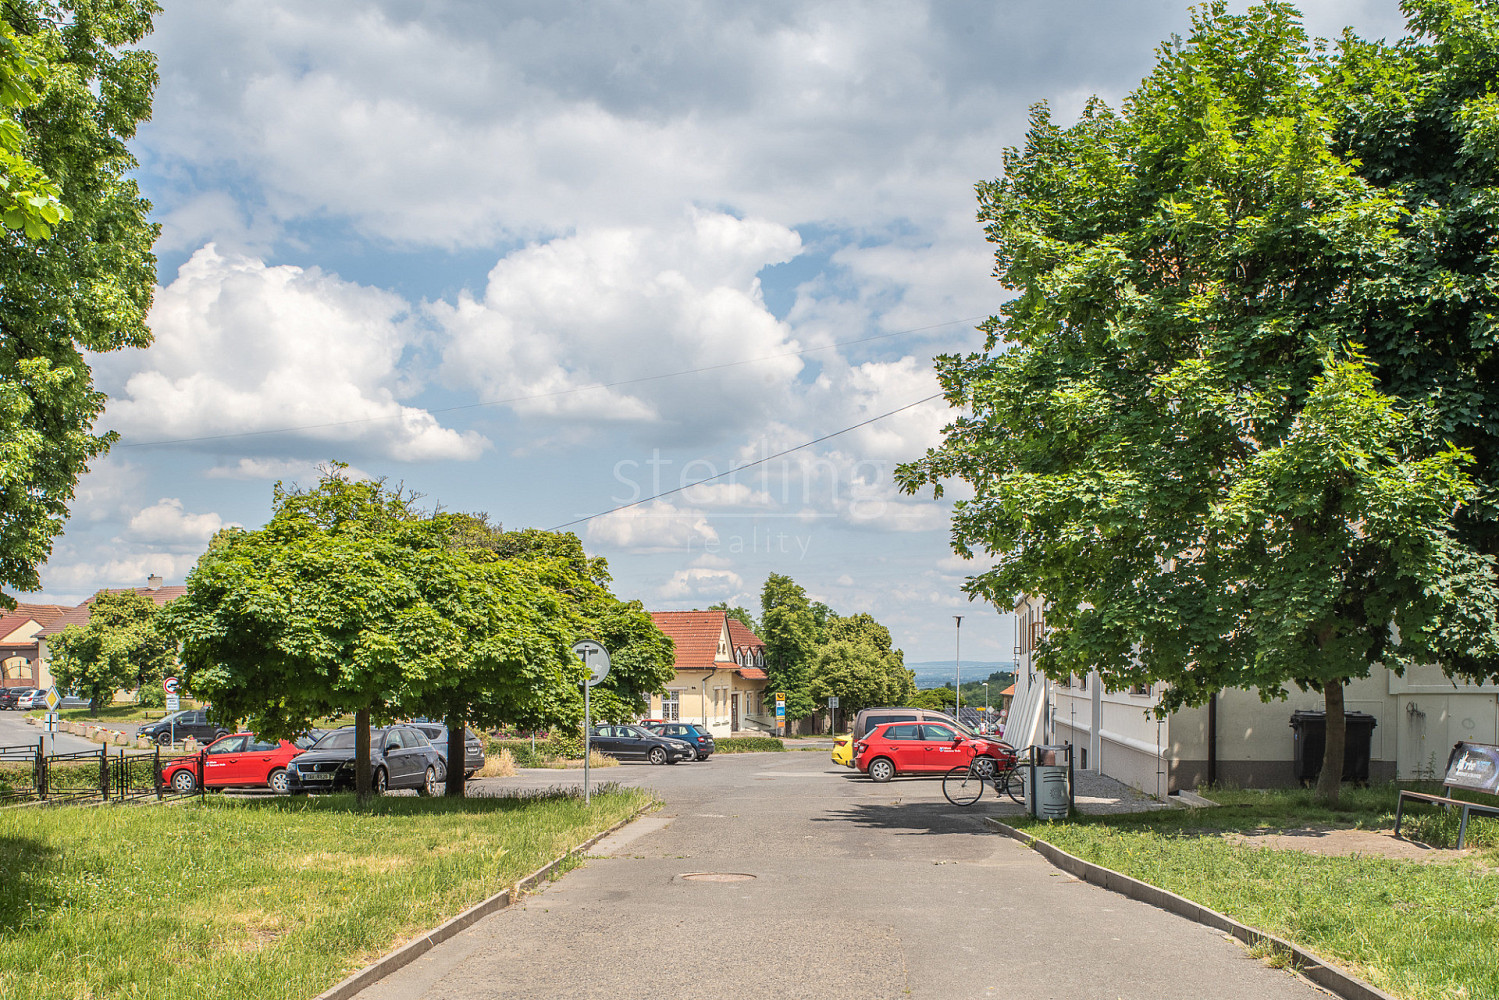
(849, 889)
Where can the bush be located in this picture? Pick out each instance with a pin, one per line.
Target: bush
(748, 744)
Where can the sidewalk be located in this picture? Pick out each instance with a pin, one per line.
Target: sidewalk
(850, 889)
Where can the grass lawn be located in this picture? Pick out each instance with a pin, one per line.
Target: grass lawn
(260, 900)
(1418, 930)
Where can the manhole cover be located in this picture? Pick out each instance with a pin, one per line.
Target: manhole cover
(717, 877)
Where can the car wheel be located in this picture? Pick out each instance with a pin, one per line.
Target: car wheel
(184, 782)
(164, 737)
(429, 786)
(467, 775)
(881, 770)
(381, 782)
(985, 767)
(219, 734)
(658, 755)
(278, 781)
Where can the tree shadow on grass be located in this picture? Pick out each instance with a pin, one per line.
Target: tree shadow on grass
(410, 805)
(27, 894)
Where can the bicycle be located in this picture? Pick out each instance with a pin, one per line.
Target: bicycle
(964, 785)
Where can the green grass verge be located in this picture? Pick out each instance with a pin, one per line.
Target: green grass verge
(257, 900)
(1418, 930)
(748, 744)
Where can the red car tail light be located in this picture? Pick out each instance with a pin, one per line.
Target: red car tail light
(860, 747)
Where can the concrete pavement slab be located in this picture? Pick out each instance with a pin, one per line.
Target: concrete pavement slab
(857, 890)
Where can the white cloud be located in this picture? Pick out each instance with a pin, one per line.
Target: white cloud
(287, 469)
(74, 581)
(167, 523)
(280, 351)
(727, 495)
(654, 527)
(620, 305)
(706, 584)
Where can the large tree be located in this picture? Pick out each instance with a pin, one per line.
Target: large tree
(75, 253)
(1174, 434)
(789, 630)
(352, 600)
(121, 646)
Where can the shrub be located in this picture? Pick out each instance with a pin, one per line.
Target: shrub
(748, 744)
(498, 765)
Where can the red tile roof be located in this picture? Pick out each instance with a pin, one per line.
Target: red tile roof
(752, 673)
(696, 634)
(42, 614)
(80, 615)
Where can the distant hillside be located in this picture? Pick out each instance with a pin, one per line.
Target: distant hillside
(935, 673)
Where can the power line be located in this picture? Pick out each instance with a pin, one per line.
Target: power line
(545, 395)
(747, 465)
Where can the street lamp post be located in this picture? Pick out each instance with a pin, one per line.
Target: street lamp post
(986, 701)
(957, 667)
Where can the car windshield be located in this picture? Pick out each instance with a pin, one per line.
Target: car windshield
(339, 739)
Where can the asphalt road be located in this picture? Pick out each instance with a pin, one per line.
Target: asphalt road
(851, 890)
(15, 732)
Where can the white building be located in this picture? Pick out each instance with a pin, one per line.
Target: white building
(1238, 739)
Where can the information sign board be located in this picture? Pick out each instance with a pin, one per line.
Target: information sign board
(1475, 766)
(174, 703)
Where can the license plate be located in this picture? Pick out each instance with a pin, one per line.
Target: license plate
(314, 776)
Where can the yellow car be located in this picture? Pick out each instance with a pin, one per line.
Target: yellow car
(843, 750)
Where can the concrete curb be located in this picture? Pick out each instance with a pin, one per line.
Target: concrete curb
(408, 953)
(1308, 964)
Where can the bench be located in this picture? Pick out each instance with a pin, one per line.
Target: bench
(1470, 766)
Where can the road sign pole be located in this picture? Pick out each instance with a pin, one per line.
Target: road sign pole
(587, 744)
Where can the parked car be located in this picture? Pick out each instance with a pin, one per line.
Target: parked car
(868, 718)
(239, 760)
(920, 748)
(634, 743)
(699, 738)
(11, 697)
(192, 722)
(400, 757)
(32, 699)
(473, 747)
(68, 701)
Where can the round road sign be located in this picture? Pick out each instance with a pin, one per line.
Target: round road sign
(169, 685)
(595, 657)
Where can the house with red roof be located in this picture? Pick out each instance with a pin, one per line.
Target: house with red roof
(79, 615)
(720, 679)
(20, 662)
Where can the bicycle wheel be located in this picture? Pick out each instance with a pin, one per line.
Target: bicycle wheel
(1012, 784)
(962, 786)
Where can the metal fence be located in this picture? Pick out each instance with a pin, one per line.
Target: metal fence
(28, 773)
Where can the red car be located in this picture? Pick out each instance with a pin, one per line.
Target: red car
(237, 760)
(921, 748)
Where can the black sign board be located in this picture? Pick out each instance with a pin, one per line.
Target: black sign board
(1475, 766)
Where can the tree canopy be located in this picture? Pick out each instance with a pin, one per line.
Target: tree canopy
(1176, 434)
(789, 631)
(122, 646)
(75, 250)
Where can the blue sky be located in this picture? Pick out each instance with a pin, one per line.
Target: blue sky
(474, 247)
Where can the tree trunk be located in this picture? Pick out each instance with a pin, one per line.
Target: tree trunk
(457, 757)
(362, 754)
(1331, 779)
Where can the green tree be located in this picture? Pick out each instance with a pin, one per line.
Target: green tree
(349, 600)
(742, 614)
(938, 699)
(789, 631)
(76, 85)
(860, 675)
(1181, 444)
(121, 646)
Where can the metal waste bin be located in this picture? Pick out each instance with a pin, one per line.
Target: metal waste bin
(1309, 739)
(1048, 784)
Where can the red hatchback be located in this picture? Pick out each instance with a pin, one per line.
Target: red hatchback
(921, 748)
(238, 760)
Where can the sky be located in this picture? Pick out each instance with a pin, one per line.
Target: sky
(545, 259)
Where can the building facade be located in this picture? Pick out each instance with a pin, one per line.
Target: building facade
(1237, 739)
(720, 678)
(20, 658)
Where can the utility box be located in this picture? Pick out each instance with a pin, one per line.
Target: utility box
(1309, 742)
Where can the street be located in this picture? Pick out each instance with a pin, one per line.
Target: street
(785, 875)
(15, 732)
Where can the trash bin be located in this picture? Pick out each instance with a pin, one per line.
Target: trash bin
(1047, 795)
(1309, 742)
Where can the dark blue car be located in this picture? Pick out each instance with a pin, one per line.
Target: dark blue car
(700, 738)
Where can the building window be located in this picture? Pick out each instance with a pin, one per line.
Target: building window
(671, 705)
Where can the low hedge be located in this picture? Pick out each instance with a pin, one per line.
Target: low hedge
(549, 752)
(748, 744)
